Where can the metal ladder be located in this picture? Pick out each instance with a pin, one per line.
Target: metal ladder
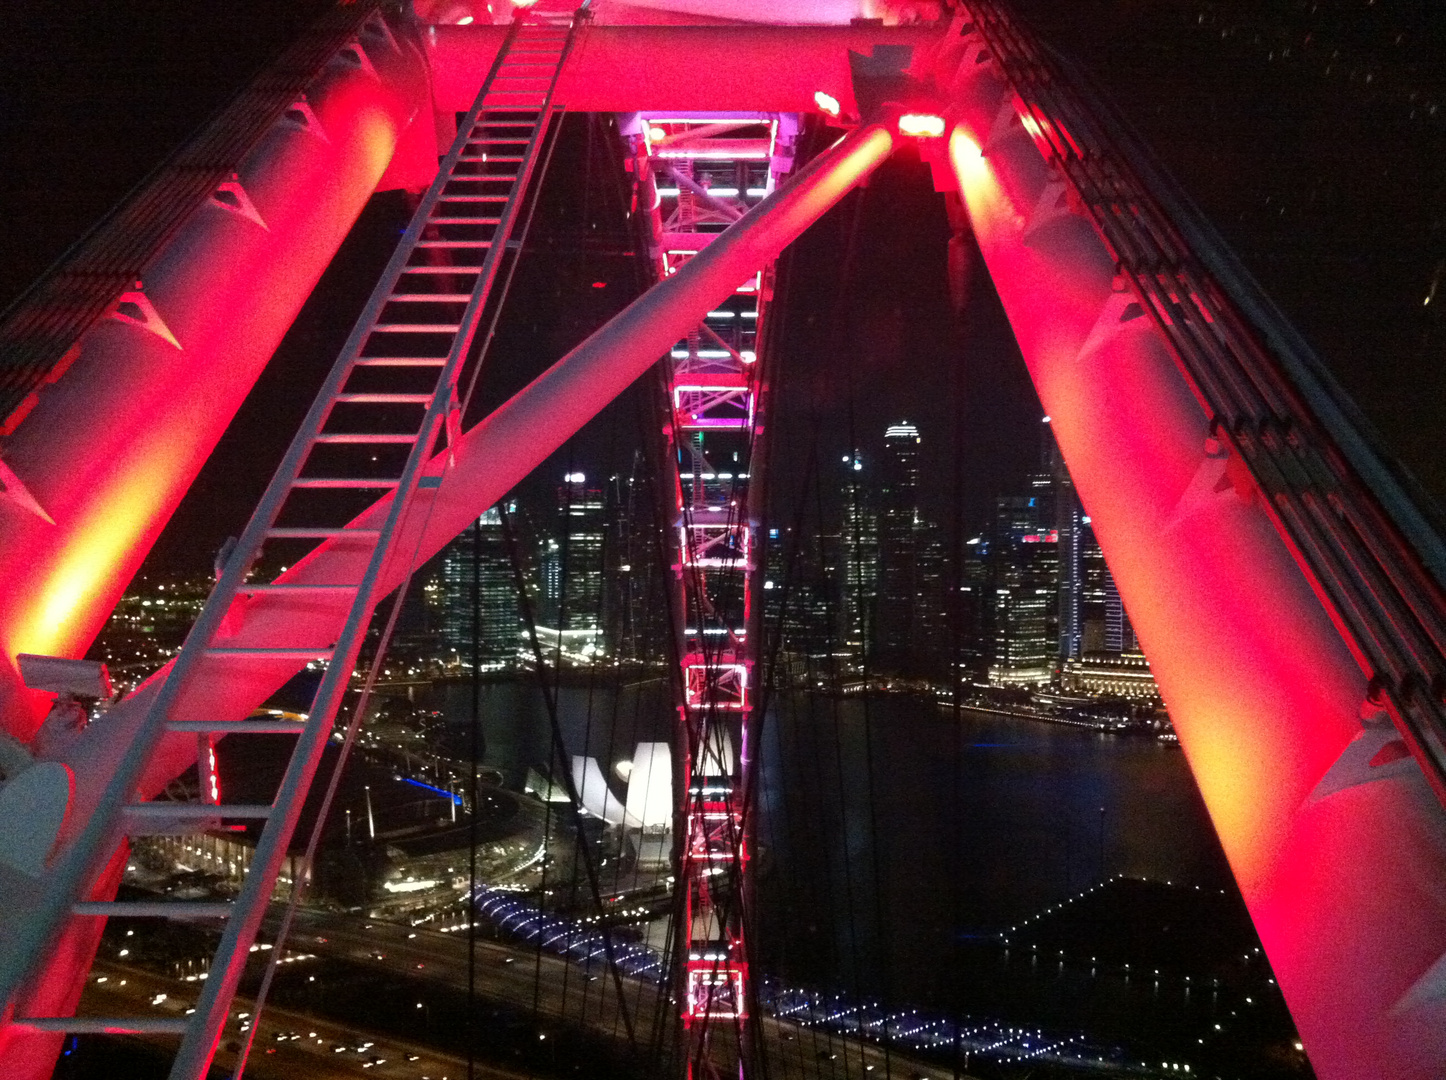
(361, 436)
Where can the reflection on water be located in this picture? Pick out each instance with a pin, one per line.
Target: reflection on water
(891, 829)
(895, 839)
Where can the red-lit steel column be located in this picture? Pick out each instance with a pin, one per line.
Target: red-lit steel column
(1339, 848)
(112, 445)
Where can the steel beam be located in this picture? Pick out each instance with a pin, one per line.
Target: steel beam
(1337, 845)
(711, 69)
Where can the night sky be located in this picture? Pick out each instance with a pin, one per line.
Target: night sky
(1312, 133)
(1313, 136)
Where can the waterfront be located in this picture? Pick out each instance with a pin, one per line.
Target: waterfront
(956, 827)
(898, 844)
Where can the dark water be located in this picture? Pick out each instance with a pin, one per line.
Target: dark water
(895, 840)
(890, 827)
(891, 830)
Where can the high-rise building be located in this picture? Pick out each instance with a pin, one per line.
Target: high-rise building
(898, 587)
(1058, 510)
(570, 626)
(796, 600)
(973, 618)
(858, 562)
(1096, 585)
(478, 593)
(1104, 623)
(1024, 552)
(635, 617)
(1110, 664)
(934, 629)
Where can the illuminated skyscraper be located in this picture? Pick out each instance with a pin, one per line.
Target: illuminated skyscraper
(1104, 624)
(570, 626)
(858, 560)
(934, 631)
(898, 587)
(1059, 512)
(1025, 557)
(634, 613)
(479, 596)
(973, 611)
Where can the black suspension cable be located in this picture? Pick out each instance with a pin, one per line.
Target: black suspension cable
(550, 702)
(473, 794)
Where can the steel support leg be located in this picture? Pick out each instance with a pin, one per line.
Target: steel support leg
(1339, 849)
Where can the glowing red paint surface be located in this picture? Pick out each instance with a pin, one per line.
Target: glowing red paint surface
(113, 446)
(1265, 697)
(710, 69)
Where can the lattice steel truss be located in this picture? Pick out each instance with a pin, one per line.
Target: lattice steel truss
(696, 175)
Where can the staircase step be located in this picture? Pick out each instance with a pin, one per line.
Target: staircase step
(309, 532)
(156, 909)
(299, 586)
(400, 361)
(95, 1025)
(271, 652)
(387, 399)
(238, 727)
(343, 483)
(191, 811)
(363, 440)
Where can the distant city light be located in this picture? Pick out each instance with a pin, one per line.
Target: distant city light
(902, 430)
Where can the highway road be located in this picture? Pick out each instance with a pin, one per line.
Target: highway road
(289, 1045)
(294, 1045)
(564, 992)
